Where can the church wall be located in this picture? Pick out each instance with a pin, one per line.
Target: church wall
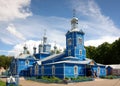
(59, 70)
(102, 71)
(70, 72)
(22, 66)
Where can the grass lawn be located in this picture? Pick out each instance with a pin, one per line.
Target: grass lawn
(2, 83)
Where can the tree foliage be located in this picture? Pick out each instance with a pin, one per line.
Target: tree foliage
(105, 53)
(5, 61)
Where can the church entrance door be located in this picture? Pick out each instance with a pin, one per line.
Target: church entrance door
(88, 70)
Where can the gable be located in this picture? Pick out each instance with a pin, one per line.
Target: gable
(92, 63)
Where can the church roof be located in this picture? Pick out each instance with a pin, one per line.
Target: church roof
(86, 61)
(52, 56)
(25, 56)
(39, 62)
(70, 58)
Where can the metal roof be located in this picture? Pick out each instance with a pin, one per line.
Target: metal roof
(115, 66)
(39, 62)
(87, 61)
(25, 56)
(52, 56)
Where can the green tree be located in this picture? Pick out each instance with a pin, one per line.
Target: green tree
(5, 61)
(105, 53)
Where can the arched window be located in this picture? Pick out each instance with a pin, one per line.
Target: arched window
(75, 70)
(42, 70)
(36, 69)
(27, 62)
(53, 70)
(98, 71)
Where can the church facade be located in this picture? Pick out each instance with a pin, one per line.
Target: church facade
(71, 63)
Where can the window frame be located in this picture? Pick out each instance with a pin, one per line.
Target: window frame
(80, 52)
(69, 41)
(36, 69)
(53, 69)
(75, 70)
(42, 70)
(69, 52)
(27, 62)
(80, 40)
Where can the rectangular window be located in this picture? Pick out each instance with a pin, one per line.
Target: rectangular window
(69, 41)
(80, 52)
(79, 40)
(69, 52)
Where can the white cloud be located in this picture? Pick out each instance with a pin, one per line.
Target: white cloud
(98, 28)
(18, 48)
(11, 9)
(7, 40)
(97, 42)
(10, 35)
(11, 28)
(33, 28)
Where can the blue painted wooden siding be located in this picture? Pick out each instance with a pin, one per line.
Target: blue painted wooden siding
(69, 70)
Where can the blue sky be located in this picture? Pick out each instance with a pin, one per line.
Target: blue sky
(23, 22)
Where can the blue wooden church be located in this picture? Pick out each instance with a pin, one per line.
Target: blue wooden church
(71, 63)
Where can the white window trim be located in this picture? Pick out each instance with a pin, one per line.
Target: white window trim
(69, 39)
(69, 52)
(76, 71)
(81, 41)
(53, 70)
(36, 69)
(98, 71)
(42, 70)
(27, 62)
(80, 52)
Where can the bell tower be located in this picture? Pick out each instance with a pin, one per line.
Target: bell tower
(75, 40)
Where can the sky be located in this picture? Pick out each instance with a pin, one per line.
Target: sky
(24, 22)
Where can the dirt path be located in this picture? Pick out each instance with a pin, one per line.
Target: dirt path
(97, 82)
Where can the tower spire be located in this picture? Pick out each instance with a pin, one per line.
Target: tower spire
(44, 37)
(25, 49)
(55, 48)
(74, 22)
(45, 32)
(74, 12)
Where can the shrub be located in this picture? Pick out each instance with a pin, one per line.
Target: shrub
(109, 77)
(81, 78)
(51, 79)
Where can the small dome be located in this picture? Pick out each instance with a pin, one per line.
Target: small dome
(74, 19)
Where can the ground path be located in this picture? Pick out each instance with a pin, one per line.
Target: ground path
(96, 82)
